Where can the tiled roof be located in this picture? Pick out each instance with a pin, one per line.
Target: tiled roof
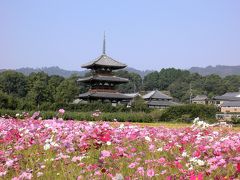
(156, 95)
(105, 60)
(104, 78)
(104, 95)
(231, 104)
(230, 96)
(226, 98)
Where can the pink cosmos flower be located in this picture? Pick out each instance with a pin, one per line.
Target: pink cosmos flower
(9, 162)
(61, 111)
(105, 154)
(150, 173)
(133, 165)
(151, 147)
(161, 160)
(35, 115)
(140, 170)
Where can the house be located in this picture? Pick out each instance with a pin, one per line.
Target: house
(200, 99)
(230, 96)
(230, 107)
(156, 99)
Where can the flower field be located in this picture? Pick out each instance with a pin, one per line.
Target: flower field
(57, 149)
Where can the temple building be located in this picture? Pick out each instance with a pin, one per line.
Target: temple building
(102, 82)
(156, 99)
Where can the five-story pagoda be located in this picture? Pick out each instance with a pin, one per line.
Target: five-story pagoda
(102, 81)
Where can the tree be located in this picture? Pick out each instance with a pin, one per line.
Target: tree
(150, 81)
(180, 90)
(67, 91)
(134, 84)
(13, 83)
(53, 82)
(214, 85)
(39, 91)
(168, 76)
(232, 83)
(8, 101)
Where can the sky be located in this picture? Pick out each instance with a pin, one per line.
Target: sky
(144, 34)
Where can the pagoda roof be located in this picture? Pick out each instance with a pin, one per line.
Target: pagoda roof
(104, 61)
(156, 95)
(104, 78)
(103, 95)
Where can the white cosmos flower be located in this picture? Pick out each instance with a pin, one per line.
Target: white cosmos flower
(200, 162)
(121, 126)
(118, 177)
(147, 138)
(39, 174)
(46, 146)
(109, 143)
(91, 123)
(54, 144)
(184, 154)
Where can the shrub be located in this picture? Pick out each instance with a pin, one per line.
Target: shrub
(186, 112)
(236, 120)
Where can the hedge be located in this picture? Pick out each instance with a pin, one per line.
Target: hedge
(117, 116)
(184, 113)
(189, 111)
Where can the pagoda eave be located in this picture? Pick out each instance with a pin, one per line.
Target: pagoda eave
(104, 95)
(110, 79)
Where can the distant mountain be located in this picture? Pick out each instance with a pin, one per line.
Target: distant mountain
(220, 70)
(141, 73)
(55, 70)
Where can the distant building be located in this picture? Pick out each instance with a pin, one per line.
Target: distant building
(230, 96)
(230, 107)
(156, 99)
(133, 96)
(102, 82)
(200, 99)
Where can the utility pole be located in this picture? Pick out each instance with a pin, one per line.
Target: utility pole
(190, 93)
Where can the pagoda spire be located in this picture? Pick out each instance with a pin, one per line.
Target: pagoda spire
(104, 44)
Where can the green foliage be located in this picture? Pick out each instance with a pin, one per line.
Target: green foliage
(7, 101)
(67, 91)
(150, 81)
(134, 84)
(43, 92)
(174, 114)
(178, 83)
(13, 83)
(139, 104)
(189, 111)
(87, 116)
(236, 120)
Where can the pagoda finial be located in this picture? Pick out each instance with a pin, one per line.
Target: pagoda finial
(104, 44)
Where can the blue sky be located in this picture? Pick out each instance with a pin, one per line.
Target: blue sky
(151, 34)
